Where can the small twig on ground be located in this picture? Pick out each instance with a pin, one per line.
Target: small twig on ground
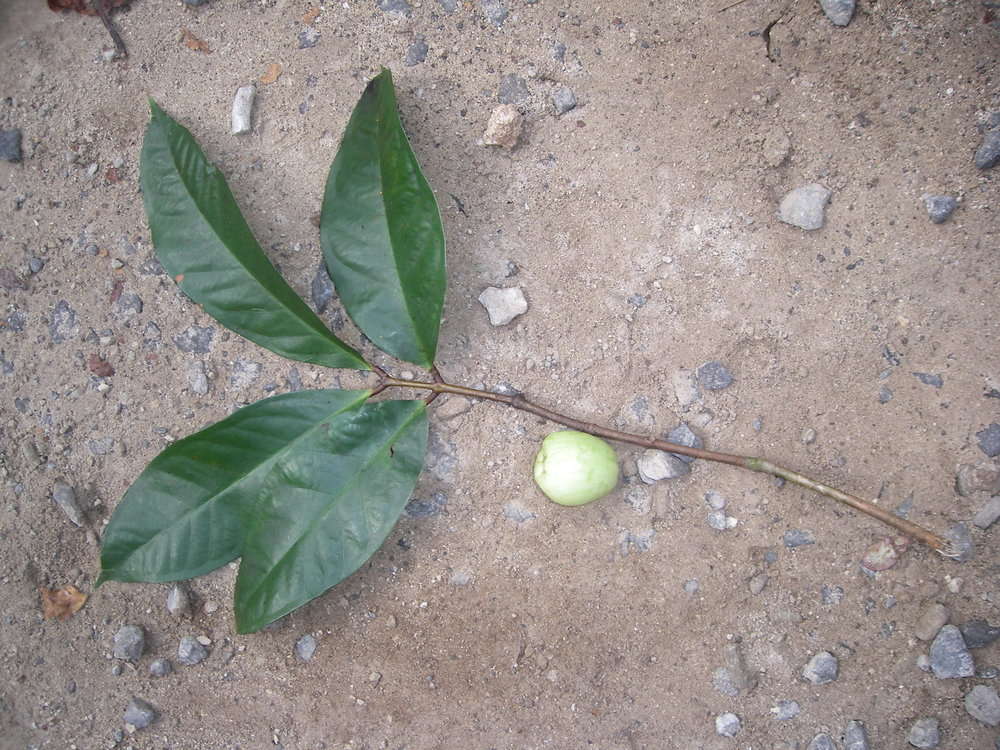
(102, 9)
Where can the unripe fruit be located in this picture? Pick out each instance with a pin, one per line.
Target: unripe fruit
(574, 468)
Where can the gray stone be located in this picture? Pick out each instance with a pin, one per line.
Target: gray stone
(821, 669)
(988, 514)
(805, 206)
(989, 440)
(416, 53)
(691, 586)
(727, 725)
(713, 376)
(178, 601)
(563, 99)
(758, 583)
(983, 704)
(929, 378)
(924, 733)
(396, 7)
(151, 335)
(35, 265)
(831, 595)
(685, 387)
(808, 436)
(308, 37)
(10, 145)
(129, 643)
(717, 520)
(195, 339)
(321, 289)
(785, 710)
(433, 506)
(735, 677)
(821, 741)
(517, 513)
(195, 3)
(978, 633)
(714, 500)
(16, 321)
(981, 477)
(884, 394)
(62, 324)
(988, 153)
(988, 673)
(494, 11)
(197, 378)
(101, 446)
(940, 207)
(797, 538)
(931, 621)
(776, 148)
(448, 6)
(244, 373)
(242, 111)
(655, 465)
(190, 652)
(682, 435)
(962, 549)
(160, 667)
(503, 304)
(65, 497)
(139, 713)
(950, 657)
(128, 306)
(513, 89)
(856, 736)
(840, 12)
(305, 647)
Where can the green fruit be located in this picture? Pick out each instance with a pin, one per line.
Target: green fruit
(574, 468)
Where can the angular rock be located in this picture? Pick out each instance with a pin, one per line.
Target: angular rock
(160, 668)
(776, 148)
(821, 741)
(831, 595)
(981, 477)
(309, 37)
(988, 153)
(989, 440)
(884, 553)
(178, 601)
(797, 538)
(840, 12)
(685, 387)
(129, 643)
(978, 633)
(305, 647)
(950, 657)
(805, 207)
(396, 7)
(821, 669)
(62, 323)
(988, 514)
(494, 11)
(321, 289)
(962, 548)
(655, 465)
(563, 99)
(139, 713)
(517, 513)
(195, 339)
(243, 109)
(727, 725)
(940, 207)
(856, 736)
(420, 508)
(504, 127)
(929, 378)
(682, 435)
(197, 378)
(931, 621)
(983, 704)
(785, 710)
(924, 733)
(513, 89)
(65, 497)
(503, 304)
(416, 53)
(10, 145)
(190, 651)
(714, 376)
(244, 373)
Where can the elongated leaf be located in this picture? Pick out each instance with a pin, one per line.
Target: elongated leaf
(203, 241)
(328, 508)
(381, 231)
(191, 509)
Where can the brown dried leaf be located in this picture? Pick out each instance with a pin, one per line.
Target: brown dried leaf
(61, 603)
(84, 6)
(100, 367)
(273, 74)
(190, 41)
(311, 15)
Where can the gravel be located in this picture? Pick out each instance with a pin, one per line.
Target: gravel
(504, 127)
(981, 477)
(190, 651)
(924, 733)
(517, 513)
(682, 435)
(416, 53)
(129, 643)
(831, 595)
(397, 7)
(305, 647)
(821, 741)
(494, 11)
(950, 658)
(654, 465)
(10, 145)
(244, 373)
(961, 541)
(62, 323)
(797, 538)
(989, 440)
(160, 667)
(563, 99)
(978, 633)
(786, 710)
(805, 207)
(243, 106)
(988, 514)
(727, 725)
(940, 207)
(983, 704)
(503, 304)
(988, 153)
(931, 621)
(840, 12)
(513, 89)
(821, 669)
(178, 602)
(195, 339)
(856, 736)
(139, 713)
(713, 376)
(197, 378)
(65, 497)
(421, 508)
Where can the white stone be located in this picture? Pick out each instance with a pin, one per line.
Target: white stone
(655, 465)
(243, 108)
(503, 305)
(685, 388)
(504, 127)
(727, 725)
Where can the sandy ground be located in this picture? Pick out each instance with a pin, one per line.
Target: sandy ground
(566, 628)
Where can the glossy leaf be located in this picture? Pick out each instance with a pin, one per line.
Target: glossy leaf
(190, 510)
(381, 231)
(325, 511)
(203, 241)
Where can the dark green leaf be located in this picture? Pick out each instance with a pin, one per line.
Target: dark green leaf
(381, 231)
(328, 507)
(203, 241)
(190, 510)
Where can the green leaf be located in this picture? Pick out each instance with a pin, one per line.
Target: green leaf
(327, 509)
(381, 231)
(190, 510)
(203, 241)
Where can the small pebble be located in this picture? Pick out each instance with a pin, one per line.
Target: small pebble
(10, 145)
(190, 651)
(840, 12)
(776, 147)
(758, 583)
(785, 710)
(821, 742)
(682, 435)
(727, 725)
(940, 207)
(928, 378)
(884, 394)
(197, 378)
(396, 7)
(416, 53)
(494, 11)
(65, 497)
(805, 207)
(931, 621)
(243, 109)
(139, 713)
(883, 554)
(797, 538)
(195, 339)
(924, 663)
(988, 153)
(305, 647)
(950, 657)
(713, 376)
(979, 633)
(129, 643)
(831, 595)
(513, 89)
(960, 537)
(924, 733)
(821, 669)
(856, 736)
(504, 127)
(563, 99)
(178, 602)
(308, 37)
(988, 514)
(714, 500)
(517, 513)
(655, 465)
(503, 305)
(983, 704)
(808, 436)
(717, 520)
(989, 440)
(35, 265)
(160, 667)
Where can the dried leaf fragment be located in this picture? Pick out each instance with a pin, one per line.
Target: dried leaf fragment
(273, 74)
(311, 15)
(61, 603)
(84, 6)
(192, 42)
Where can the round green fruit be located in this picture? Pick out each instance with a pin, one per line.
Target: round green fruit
(574, 468)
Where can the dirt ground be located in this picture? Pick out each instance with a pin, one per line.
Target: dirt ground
(642, 227)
